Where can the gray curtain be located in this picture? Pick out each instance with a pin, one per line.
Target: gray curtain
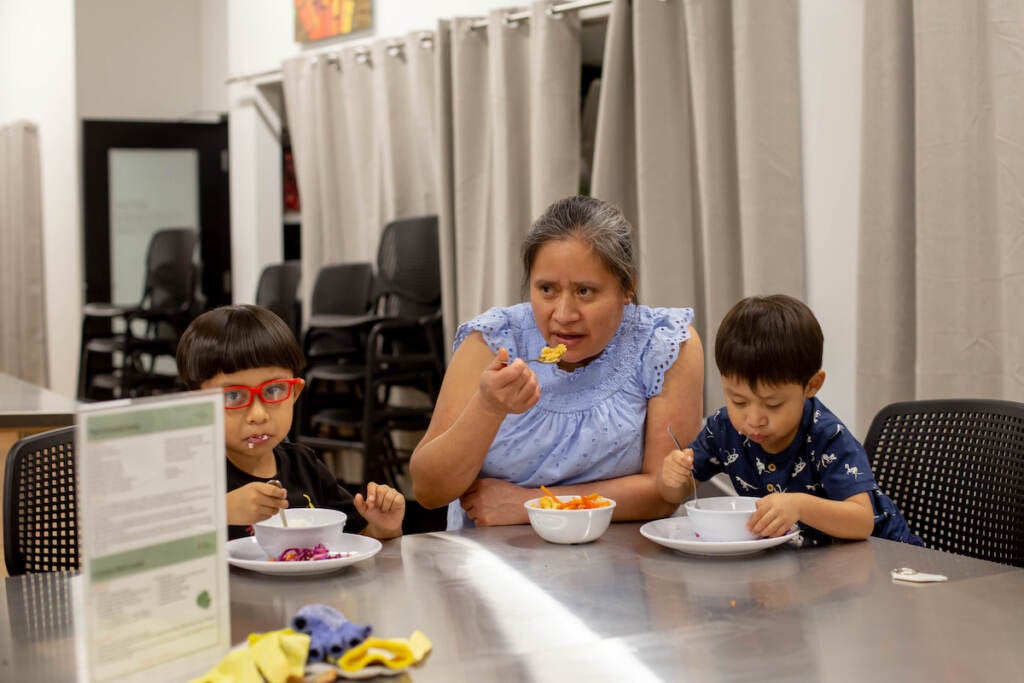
(22, 304)
(363, 133)
(699, 142)
(509, 115)
(942, 205)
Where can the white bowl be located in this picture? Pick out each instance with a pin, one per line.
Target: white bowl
(569, 526)
(722, 518)
(306, 528)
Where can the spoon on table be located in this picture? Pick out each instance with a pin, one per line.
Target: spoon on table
(693, 478)
(284, 520)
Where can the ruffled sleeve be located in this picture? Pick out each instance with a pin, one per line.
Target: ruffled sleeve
(670, 327)
(496, 327)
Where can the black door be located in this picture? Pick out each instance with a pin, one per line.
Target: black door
(202, 148)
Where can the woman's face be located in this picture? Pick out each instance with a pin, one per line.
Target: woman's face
(576, 301)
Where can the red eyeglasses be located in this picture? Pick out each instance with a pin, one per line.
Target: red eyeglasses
(270, 392)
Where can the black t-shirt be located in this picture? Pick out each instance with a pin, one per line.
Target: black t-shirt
(302, 474)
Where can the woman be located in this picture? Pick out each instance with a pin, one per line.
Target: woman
(596, 421)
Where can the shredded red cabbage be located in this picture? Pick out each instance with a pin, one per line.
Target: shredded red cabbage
(318, 552)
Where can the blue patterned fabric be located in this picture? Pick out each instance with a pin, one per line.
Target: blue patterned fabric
(588, 424)
(824, 460)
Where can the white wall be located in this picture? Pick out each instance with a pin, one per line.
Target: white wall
(213, 55)
(138, 60)
(37, 83)
(831, 43)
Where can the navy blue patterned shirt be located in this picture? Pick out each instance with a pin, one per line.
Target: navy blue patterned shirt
(823, 460)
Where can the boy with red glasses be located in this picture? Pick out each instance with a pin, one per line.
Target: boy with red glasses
(252, 356)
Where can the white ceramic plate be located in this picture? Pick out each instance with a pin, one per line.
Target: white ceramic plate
(677, 533)
(247, 554)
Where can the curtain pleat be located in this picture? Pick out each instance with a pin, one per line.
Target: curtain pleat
(698, 141)
(955, 202)
(886, 288)
(23, 304)
(768, 141)
(363, 132)
(513, 93)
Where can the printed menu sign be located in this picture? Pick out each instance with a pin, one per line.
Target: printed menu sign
(154, 597)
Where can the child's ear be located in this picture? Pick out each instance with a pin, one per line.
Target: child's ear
(814, 383)
(297, 389)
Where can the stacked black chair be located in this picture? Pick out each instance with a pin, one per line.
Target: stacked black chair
(122, 343)
(278, 291)
(40, 504)
(341, 305)
(955, 468)
(351, 401)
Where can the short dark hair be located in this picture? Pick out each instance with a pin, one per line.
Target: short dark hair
(770, 340)
(598, 223)
(234, 338)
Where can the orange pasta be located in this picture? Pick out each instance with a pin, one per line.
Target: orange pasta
(587, 502)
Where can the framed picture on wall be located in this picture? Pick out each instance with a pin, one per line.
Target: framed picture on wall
(319, 19)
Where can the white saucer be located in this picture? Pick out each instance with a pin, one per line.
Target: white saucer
(677, 533)
(247, 554)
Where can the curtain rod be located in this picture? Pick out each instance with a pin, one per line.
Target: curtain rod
(274, 75)
(362, 52)
(516, 17)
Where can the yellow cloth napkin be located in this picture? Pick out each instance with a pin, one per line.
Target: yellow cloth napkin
(394, 653)
(280, 656)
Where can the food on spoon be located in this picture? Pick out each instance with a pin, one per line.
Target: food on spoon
(552, 354)
(587, 502)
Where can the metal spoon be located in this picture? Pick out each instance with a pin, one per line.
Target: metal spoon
(284, 520)
(696, 503)
(550, 360)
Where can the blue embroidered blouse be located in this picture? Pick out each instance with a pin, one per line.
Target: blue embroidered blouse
(589, 423)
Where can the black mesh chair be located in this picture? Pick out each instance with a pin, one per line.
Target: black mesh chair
(401, 347)
(40, 504)
(278, 290)
(956, 470)
(122, 363)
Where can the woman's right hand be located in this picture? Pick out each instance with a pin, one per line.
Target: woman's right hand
(478, 392)
(508, 387)
(255, 502)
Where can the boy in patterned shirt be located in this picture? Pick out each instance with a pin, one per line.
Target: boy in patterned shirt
(777, 441)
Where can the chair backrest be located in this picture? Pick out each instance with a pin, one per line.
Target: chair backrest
(409, 268)
(40, 504)
(342, 289)
(171, 271)
(278, 290)
(955, 468)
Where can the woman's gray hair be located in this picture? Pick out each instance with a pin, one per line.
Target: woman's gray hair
(594, 221)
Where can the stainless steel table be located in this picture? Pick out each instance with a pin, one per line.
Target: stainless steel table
(502, 605)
